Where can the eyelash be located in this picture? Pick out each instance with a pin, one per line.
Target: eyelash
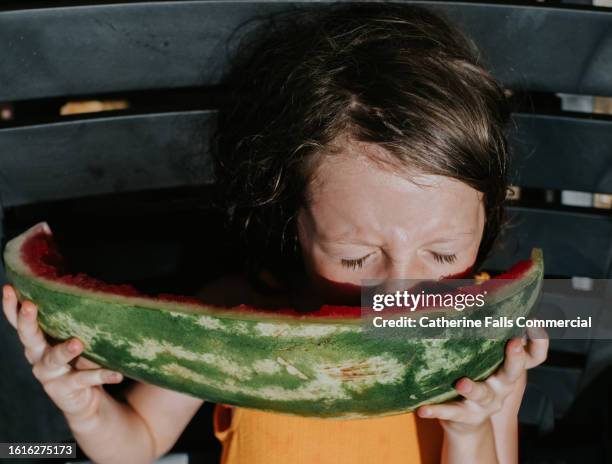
(444, 258)
(354, 263)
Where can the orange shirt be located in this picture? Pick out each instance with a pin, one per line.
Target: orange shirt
(250, 436)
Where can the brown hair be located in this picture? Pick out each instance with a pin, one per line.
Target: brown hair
(395, 75)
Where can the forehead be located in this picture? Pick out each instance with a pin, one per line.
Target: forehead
(349, 188)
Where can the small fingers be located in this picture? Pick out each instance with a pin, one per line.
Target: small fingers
(452, 411)
(479, 392)
(61, 354)
(536, 347)
(82, 363)
(29, 332)
(514, 364)
(79, 391)
(54, 363)
(9, 305)
(466, 412)
(77, 380)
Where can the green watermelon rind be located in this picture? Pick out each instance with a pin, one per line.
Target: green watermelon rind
(328, 368)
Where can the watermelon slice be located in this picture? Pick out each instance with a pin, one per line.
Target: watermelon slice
(320, 364)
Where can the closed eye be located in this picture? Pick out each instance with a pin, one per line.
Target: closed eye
(444, 258)
(353, 263)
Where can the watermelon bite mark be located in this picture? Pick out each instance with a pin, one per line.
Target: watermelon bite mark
(41, 254)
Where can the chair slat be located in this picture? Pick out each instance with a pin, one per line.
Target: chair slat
(529, 47)
(104, 155)
(574, 243)
(562, 153)
(130, 153)
(89, 49)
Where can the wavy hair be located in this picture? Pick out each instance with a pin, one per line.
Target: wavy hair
(399, 76)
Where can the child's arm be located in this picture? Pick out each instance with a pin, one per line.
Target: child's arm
(477, 445)
(505, 424)
(166, 413)
(496, 441)
(137, 432)
(107, 430)
(482, 427)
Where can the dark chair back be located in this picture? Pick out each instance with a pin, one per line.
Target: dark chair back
(167, 60)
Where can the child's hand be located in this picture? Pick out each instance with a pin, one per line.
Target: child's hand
(481, 400)
(72, 382)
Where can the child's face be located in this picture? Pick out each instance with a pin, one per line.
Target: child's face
(365, 222)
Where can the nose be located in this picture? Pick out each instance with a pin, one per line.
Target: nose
(406, 273)
(410, 267)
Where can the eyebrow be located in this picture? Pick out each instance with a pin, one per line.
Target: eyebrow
(455, 236)
(345, 238)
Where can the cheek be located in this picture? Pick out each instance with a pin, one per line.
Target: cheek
(326, 266)
(333, 283)
(463, 269)
(317, 262)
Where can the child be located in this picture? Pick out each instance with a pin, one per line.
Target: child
(362, 141)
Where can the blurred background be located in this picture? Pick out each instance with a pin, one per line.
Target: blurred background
(105, 111)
